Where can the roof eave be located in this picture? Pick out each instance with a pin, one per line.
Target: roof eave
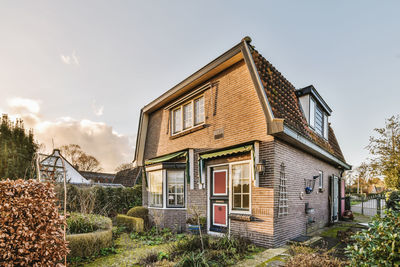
(293, 137)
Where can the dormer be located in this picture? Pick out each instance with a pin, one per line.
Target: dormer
(315, 109)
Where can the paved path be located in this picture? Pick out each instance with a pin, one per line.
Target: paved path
(269, 257)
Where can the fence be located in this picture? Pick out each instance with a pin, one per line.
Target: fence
(369, 205)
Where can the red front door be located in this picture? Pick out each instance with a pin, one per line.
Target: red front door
(219, 196)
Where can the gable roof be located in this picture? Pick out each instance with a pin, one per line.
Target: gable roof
(277, 97)
(285, 104)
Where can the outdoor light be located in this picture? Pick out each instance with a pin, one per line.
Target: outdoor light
(261, 166)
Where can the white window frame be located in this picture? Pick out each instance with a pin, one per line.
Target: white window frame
(312, 118)
(321, 180)
(165, 189)
(312, 112)
(226, 183)
(232, 193)
(190, 102)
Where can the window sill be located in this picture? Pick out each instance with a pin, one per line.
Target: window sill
(160, 208)
(188, 131)
(241, 217)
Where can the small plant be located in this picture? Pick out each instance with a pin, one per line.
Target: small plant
(393, 200)
(194, 259)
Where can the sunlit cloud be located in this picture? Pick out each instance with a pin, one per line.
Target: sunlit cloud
(97, 110)
(70, 59)
(96, 138)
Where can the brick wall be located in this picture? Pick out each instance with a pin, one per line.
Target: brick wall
(300, 166)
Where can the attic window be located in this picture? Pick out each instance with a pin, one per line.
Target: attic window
(318, 119)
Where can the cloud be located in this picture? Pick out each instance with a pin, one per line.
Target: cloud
(98, 111)
(96, 138)
(70, 60)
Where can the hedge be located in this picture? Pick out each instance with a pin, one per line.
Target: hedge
(30, 226)
(132, 223)
(86, 245)
(138, 212)
(78, 223)
(107, 201)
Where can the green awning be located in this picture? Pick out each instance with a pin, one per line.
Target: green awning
(226, 152)
(166, 157)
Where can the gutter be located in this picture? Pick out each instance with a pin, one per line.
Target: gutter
(318, 150)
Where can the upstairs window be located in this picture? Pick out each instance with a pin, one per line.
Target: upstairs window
(188, 115)
(318, 119)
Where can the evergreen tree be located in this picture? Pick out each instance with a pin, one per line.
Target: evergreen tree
(17, 150)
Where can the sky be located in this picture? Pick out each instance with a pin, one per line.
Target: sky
(79, 71)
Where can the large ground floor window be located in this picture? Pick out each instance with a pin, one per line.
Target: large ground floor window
(241, 187)
(166, 188)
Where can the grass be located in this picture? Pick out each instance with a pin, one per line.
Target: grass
(332, 231)
(355, 202)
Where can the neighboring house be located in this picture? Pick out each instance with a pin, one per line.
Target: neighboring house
(52, 166)
(98, 177)
(128, 177)
(237, 141)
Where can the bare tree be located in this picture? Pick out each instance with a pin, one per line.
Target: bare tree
(81, 160)
(123, 166)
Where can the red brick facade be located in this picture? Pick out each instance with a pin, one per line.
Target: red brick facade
(233, 107)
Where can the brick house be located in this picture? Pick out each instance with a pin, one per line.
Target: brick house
(237, 141)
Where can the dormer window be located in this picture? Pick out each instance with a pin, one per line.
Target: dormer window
(315, 109)
(188, 115)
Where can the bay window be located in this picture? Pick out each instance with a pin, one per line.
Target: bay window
(188, 115)
(166, 187)
(241, 187)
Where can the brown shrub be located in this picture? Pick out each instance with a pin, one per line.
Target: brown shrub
(303, 256)
(31, 231)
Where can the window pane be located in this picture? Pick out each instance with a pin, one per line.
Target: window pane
(246, 201)
(237, 203)
(155, 188)
(325, 126)
(312, 112)
(321, 179)
(318, 120)
(187, 116)
(199, 110)
(177, 120)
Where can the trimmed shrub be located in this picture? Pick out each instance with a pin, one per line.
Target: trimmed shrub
(89, 244)
(107, 201)
(131, 223)
(138, 212)
(78, 223)
(30, 226)
(379, 244)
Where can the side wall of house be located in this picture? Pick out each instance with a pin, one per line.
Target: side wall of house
(299, 166)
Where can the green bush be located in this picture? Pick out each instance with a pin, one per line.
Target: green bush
(138, 212)
(131, 223)
(379, 244)
(393, 200)
(107, 201)
(89, 244)
(78, 223)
